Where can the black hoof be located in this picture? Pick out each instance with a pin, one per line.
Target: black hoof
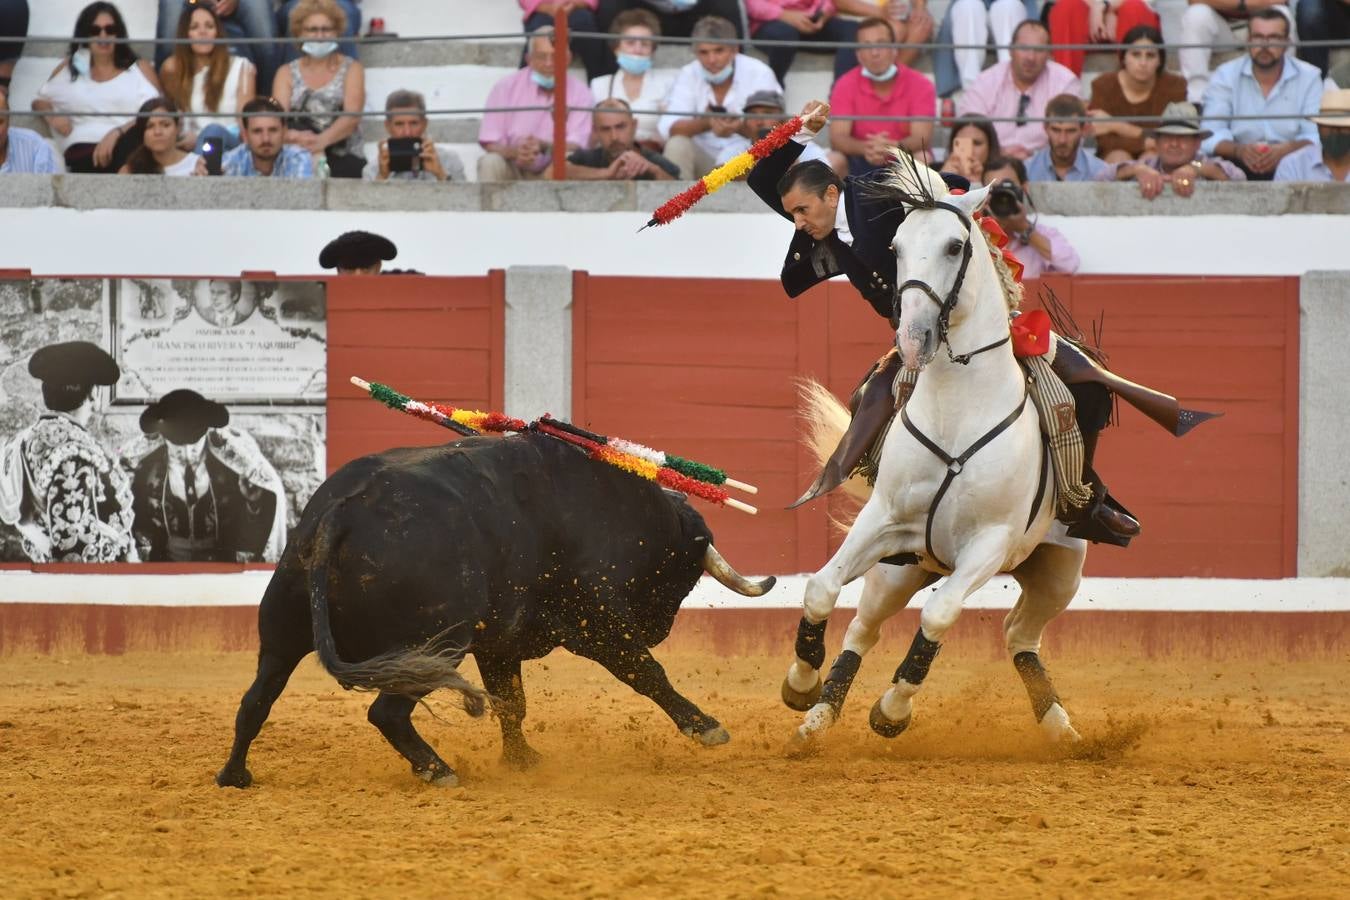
(521, 757)
(235, 778)
(884, 726)
(799, 701)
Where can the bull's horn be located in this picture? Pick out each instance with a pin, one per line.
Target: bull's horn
(719, 568)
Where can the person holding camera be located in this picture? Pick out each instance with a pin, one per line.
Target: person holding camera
(618, 156)
(1037, 246)
(408, 154)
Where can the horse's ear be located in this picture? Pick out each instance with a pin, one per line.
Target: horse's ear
(971, 201)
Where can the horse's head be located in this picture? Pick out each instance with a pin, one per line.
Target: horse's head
(933, 248)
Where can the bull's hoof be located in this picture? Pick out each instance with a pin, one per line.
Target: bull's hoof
(521, 757)
(235, 778)
(884, 726)
(712, 737)
(440, 776)
(799, 700)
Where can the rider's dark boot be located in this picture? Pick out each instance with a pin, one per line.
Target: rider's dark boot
(1103, 520)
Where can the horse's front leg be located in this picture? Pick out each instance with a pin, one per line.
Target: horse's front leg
(1049, 578)
(868, 541)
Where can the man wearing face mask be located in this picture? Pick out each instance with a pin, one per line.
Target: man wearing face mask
(518, 145)
(718, 81)
(1330, 161)
(59, 488)
(205, 492)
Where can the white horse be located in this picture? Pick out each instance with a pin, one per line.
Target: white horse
(964, 484)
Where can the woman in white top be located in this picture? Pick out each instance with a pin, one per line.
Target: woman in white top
(207, 81)
(635, 82)
(96, 77)
(158, 152)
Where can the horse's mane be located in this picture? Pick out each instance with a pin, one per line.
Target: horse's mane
(906, 182)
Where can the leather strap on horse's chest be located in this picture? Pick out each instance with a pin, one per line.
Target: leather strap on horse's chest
(954, 464)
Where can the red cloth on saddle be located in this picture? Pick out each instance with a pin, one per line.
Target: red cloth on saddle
(1031, 333)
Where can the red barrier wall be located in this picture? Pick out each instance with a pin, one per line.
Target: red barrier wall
(704, 368)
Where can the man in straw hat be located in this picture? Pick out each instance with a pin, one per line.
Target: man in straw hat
(204, 491)
(1330, 161)
(60, 488)
(1179, 161)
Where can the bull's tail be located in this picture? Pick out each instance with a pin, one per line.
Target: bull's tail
(824, 421)
(414, 672)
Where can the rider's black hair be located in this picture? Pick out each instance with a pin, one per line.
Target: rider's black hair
(814, 176)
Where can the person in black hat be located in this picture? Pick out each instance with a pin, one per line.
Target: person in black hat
(357, 253)
(63, 492)
(205, 493)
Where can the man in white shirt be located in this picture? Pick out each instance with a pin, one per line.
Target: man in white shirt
(718, 80)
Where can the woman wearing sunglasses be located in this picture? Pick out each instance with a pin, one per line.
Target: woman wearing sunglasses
(96, 91)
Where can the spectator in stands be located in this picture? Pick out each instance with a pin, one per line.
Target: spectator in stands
(288, 52)
(1323, 20)
(617, 156)
(1142, 86)
(23, 152)
(1037, 246)
(972, 23)
(1330, 161)
(1179, 161)
(796, 20)
(971, 144)
(519, 144)
(96, 77)
(880, 86)
(325, 83)
(157, 137)
(13, 24)
(207, 81)
(1266, 81)
(1063, 158)
(764, 111)
(581, 16)
(240, 18)
(1095, 22)
(678, 17)
(405, 116)
(636, 82)
(1014, 93)
(265, 152)
(1211, 24)
(909, 19)
(718, 80)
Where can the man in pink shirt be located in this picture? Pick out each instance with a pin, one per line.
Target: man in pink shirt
(879, 86)
(519, 144)
(1037, 246)
(1017, 91)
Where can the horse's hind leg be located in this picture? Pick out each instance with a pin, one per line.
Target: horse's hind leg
(1049, 578)
(392, 715)
(886, 591)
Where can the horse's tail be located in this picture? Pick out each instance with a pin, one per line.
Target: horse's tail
(825, 420)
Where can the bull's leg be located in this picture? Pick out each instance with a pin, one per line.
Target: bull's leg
(886, 591)
(637, 668)
(392, 714)
(502, 680)
(978, 561)
(1049, 578)
(274, 670)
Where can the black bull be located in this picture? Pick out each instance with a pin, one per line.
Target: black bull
(406, 560)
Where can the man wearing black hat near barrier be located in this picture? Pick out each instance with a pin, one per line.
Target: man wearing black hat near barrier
(63, 492)
(357, 253)
(206, 493)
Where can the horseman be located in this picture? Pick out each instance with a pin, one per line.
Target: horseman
(845, 228)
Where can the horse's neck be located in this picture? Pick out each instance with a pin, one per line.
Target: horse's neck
(960, 400)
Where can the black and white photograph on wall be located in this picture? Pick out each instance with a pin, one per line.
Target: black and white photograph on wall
(158, 420)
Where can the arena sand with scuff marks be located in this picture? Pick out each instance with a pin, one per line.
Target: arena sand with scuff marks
(1196, 779)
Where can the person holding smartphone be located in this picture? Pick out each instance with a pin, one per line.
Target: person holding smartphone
(408, 154)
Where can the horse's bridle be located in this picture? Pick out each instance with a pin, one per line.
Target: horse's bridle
(945, 306)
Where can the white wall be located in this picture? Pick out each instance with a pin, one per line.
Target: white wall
(60, 241)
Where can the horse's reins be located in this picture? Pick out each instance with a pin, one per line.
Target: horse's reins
(955, 464)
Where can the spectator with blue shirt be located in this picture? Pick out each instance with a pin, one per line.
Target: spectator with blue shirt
(1268, 81)
(23, 151)
(264, 151)
(1331, 160)
(1063, 158)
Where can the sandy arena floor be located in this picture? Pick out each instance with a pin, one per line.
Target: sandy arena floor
(1202, 779)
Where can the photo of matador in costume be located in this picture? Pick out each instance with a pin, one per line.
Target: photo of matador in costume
(843, 228)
